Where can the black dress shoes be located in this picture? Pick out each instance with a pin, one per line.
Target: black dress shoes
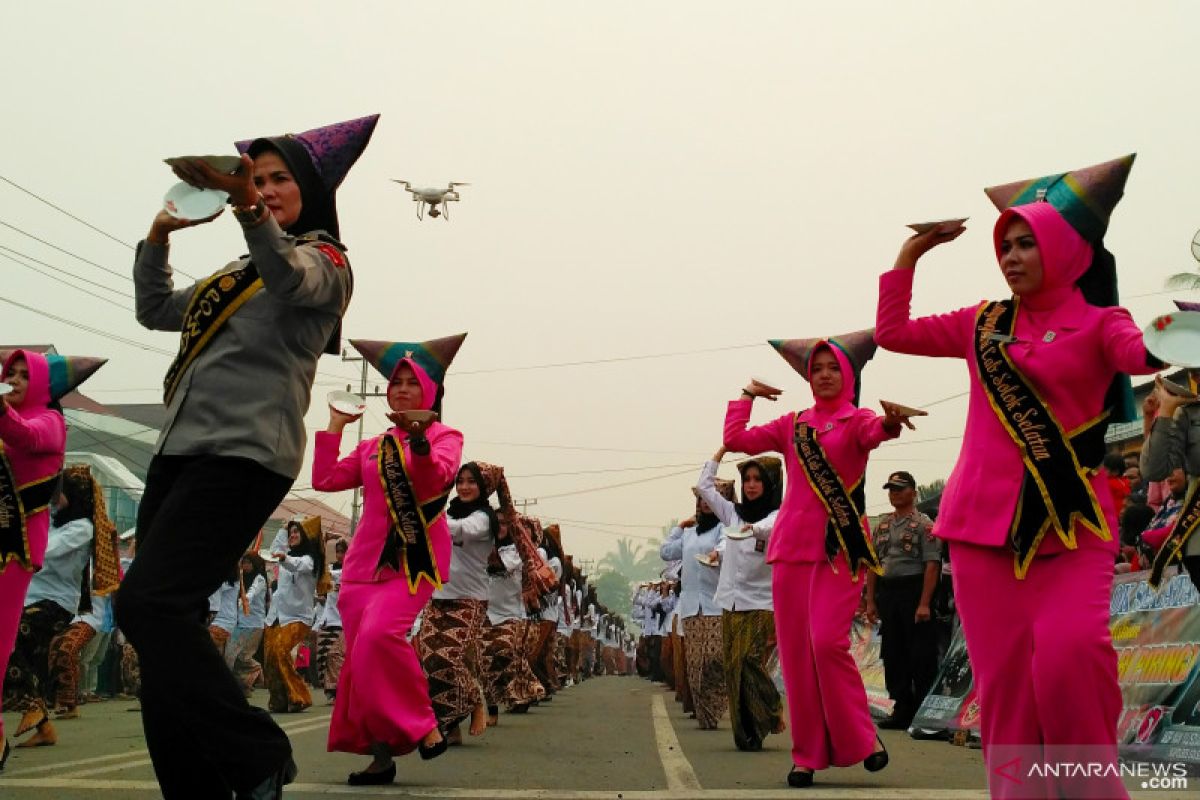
(367, 778)
(876, 761)
(434, 750)
(799, 779)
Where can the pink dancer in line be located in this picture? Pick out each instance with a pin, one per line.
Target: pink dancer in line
(33, 441)
(399, 555)
(1033, 551)
(815, 590)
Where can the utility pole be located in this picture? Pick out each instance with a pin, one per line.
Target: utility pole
(356, 505)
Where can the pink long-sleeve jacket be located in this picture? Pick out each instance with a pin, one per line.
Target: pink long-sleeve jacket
(35, 441)
(846, 433)
(431, 475)
(1067, 348)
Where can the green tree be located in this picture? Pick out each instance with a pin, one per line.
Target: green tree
(615, 591)
(928, 490)
(631, 561)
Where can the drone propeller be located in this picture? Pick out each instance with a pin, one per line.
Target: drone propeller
(457, 183)
(405, 184)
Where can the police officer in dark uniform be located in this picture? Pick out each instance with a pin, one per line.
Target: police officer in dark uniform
(900, 599)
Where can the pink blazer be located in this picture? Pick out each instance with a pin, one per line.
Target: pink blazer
(799, 533)
(35, 440)
(430, 474)
(1072, 371)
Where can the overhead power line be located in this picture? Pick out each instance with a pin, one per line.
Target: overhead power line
(612, 360)
(89, 281)
(61, 210)
(88, 328)
(55, 278)
(78, 219)
(64, 251)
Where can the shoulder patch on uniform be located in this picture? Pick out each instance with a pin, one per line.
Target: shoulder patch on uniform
(335, 256)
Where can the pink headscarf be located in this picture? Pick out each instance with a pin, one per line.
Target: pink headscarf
(1066, 255)
(829, 406)
(429, 389)
(37, 396)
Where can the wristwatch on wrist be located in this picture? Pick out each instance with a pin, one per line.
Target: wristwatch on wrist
(253, 214)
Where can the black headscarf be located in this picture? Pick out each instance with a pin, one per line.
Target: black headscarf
(318, 207)
(752, 511)
(457, 509)
(705, 520)
(308, 547)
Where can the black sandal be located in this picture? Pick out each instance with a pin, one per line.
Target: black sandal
(368, 778)
(876, 761)
(799, 779)
(432, 751)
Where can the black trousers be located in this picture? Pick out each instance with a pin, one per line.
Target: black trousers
(197, 517)
(909, 648)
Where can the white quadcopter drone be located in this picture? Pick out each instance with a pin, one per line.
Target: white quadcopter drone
(436, 199)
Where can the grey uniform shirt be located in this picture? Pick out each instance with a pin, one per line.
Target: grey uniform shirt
(246, 393)
(1174, 443)
(906, 544)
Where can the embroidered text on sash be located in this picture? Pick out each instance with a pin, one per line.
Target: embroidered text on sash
(1184, 528)
(1056, 490)
(846, 522)
(410, 519)
(212, 304)
(17, 504)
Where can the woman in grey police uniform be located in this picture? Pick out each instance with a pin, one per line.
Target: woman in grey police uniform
(232, 444)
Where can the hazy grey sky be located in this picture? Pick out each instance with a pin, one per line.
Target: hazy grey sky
(646, 178)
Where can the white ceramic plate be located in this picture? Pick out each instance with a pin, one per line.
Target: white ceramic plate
(5, 388)
(347, 403)
(703, 559)
(1175, 338)
(1196, 246)
(922, 227)
(226, 164)
(184, 201)
(736, 533)
(1177, 390)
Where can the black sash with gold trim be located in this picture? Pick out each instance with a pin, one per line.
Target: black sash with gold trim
(212, 304)
(411, 519)
(1185, 526)
(846, 529)
(1056, 490)
(17, 504)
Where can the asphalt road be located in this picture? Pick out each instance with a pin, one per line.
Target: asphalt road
(607, 739)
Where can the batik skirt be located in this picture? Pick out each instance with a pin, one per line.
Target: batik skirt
(288, 690)
(27, 681)
(755, 706)
(448, 645)
(507, 678)
(331, 654)
(705, 669)
(65, 663)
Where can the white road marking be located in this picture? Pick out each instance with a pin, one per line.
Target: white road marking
(140, 757)
(872, 793)
(679, 772)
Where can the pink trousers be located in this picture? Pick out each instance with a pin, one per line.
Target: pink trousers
(1044, 664)
(814, 608)
(382, 694)
(14, 581)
